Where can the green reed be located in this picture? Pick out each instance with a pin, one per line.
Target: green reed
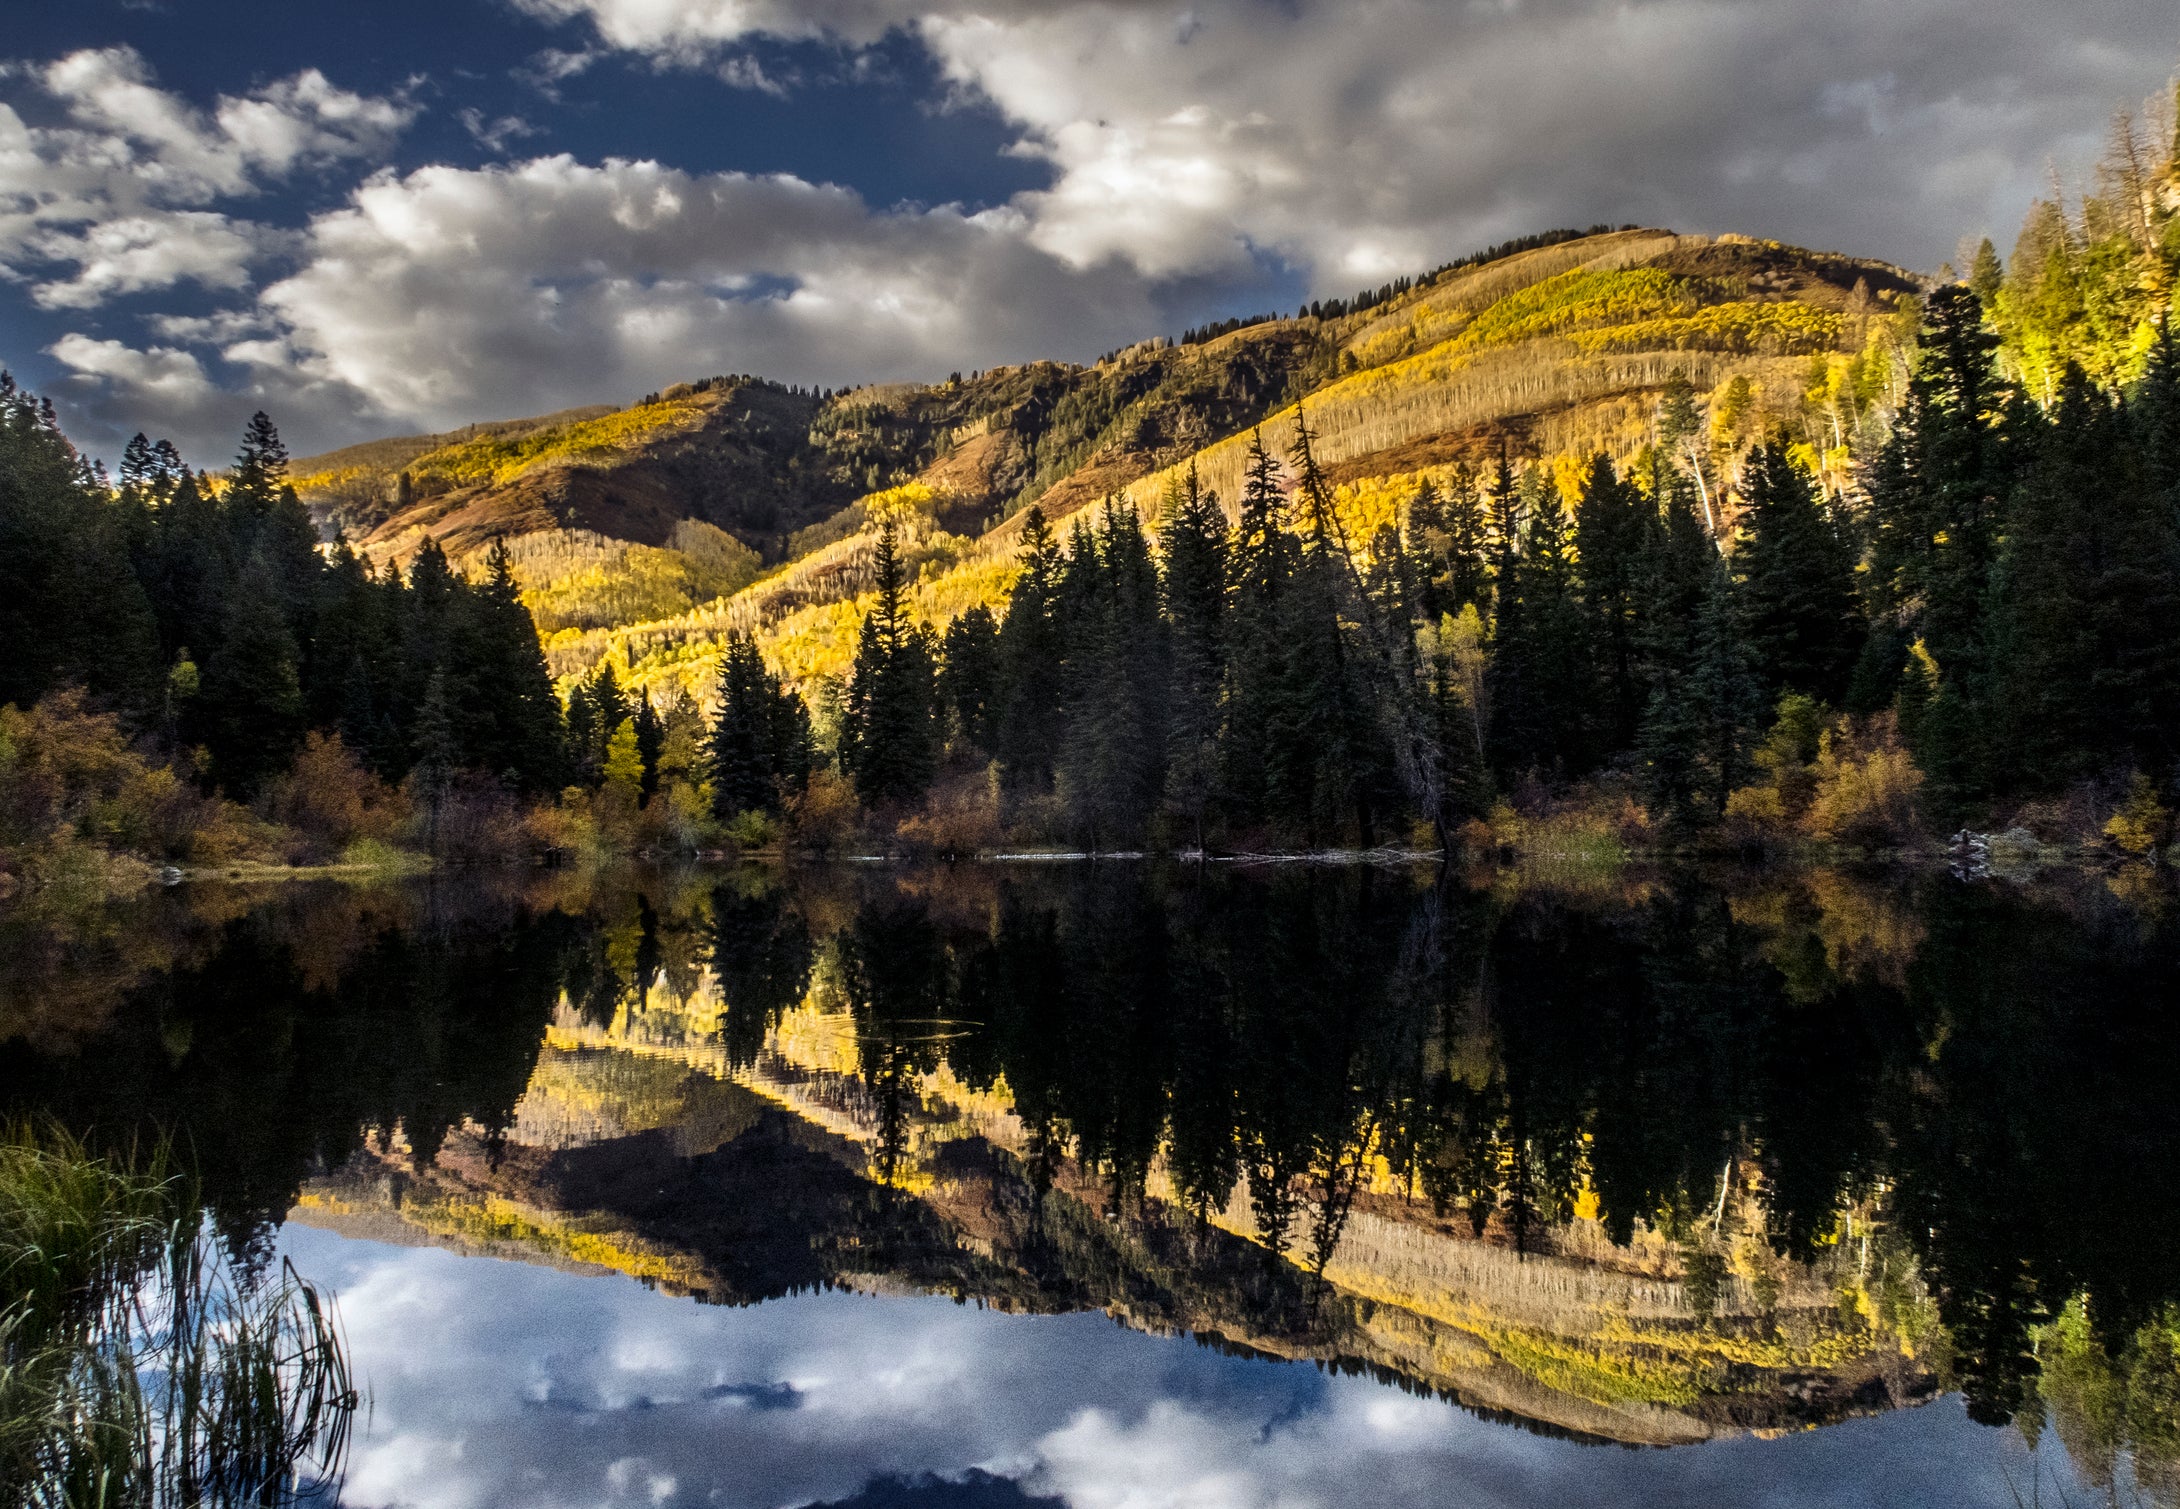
(138, 1365)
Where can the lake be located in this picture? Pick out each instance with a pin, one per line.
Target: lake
(1127, 1184)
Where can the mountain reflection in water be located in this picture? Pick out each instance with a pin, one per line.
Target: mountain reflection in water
(1660, 1159)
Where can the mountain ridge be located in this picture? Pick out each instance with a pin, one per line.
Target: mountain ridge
(1554, 349)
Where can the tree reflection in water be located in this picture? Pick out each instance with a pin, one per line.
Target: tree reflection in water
(1746, 1149)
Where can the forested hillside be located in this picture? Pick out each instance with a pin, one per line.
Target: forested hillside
(1593, 542)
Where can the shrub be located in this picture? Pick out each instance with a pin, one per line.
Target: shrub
(1867, 788)
(753, 830)
(331, 803)
(2143, 823)
(824, 816)
(70, 780)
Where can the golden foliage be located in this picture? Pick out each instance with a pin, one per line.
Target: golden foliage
(493, 460)
(1867, 788)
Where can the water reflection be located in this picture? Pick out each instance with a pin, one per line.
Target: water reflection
(1660, 1159)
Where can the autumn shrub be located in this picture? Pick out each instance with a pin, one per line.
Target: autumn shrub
(960, 819)
(2142, 824)
(465, 818)
(753, 831)
(73, 787)
(330, 804)
(824, 816)
(1867, 788)
(1772, 808)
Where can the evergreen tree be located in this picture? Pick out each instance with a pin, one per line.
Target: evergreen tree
(650, 742)
(1704, 707)
(1428, 546)
(969, 679)
(514, 727)
(1612, 521)
(267, 520)
(1112, 755)
(1468, 550)
(1258, 736)
(2087, 604)
(1796, 579)
(1541, 669)
(889, 744)
(1031, 648)
(750, 769)
(1193, 545)
(438, 754)
(251, 716)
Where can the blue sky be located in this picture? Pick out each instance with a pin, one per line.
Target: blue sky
(372, 218)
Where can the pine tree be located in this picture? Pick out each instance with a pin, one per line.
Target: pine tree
(1796, 574)
(2087, 604)
(1031, 649)
(889, 743)
(251, 716)
(1703, 710)
(746, 762)
(438, 754)
(1541, 679)
(1258, 735)
(1112, 754)
(517, 733)
(1428, 545)
(266, 519)
(650, 741)
(969, 679)
(1193, 545)
(1611, 530)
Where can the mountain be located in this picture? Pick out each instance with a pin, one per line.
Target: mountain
(641, 1148)
(642, 533)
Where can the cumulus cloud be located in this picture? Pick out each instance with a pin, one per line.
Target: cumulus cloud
(114, 199)
(494, 1383)
(1365, 137)
(1190, 147)
(450, 293)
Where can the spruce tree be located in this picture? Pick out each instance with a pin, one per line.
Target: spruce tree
(2087, 620)
(250, 712)
(969, 680)
(1796, 579)
(889, 743)
(1112, 754)
(1193, 546)
(1542, 686)
(1611, 530)
(746, 760)
(1031, 648)
(1258, 734)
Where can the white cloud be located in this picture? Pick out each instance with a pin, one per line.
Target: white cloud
(555, 281)
(453, 293)
(153, 249)
(494, 135)
(1358, 138)
(115, 199)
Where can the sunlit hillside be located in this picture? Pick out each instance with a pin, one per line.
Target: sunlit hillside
(1549, 354)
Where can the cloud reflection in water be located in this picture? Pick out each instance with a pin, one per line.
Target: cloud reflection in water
(496, 1383)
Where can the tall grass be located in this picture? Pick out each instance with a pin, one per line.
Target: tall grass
(138, 1367)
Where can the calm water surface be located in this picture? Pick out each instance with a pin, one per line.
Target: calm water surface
(1123, 1186)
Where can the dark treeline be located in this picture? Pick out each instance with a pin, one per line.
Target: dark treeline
(2000, 614)
(207, 614)
(205, 611)
(1503, 1056)
(1980, 1074)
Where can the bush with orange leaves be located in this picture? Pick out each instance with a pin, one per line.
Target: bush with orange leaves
(74, 790)
(330, 803)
